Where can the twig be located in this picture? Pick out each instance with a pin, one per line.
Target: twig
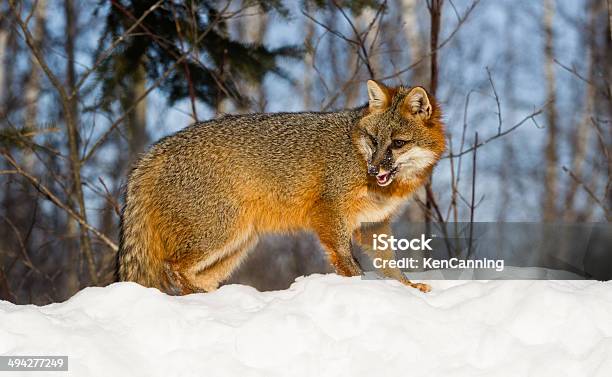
(109, 198)
(499, 134)
(499, 117)
(434, 204)
(435, 11)
(328, 29)
(440, 46)
(106, 53)
(360, 41)
(27, 261)
(71, 128)
(377, 17)
(453, 202)
(574, 71)
(588, 190)
(157, 83)
(55, 200)
(463, 133)
(605, 150)
(472, 205)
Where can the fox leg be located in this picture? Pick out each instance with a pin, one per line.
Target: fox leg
(341, 258)
(336, 241)
(365, 235)
(211, 276)
(178, 281)
(206, 273)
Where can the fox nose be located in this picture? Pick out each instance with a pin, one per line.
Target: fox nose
(373, 170)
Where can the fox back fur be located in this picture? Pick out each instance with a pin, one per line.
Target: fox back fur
(197, 201)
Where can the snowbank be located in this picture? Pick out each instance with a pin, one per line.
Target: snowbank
(325, 326)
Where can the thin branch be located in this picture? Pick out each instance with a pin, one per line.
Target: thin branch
(440, 46)
(190, 87)
(27, 261)
(157, 83)
(168, 46)
(499, 116)
(472, 205)
(575, 72)
(106, 53)
(434, 204)
(377, 17)
(328, 29)
(605, 150)
(589, 191)
(499, 134)
(453, 202)
(71, 128)
(29, 39)
(55, 200)
(435, 13)
(360, 42)
(463, 133)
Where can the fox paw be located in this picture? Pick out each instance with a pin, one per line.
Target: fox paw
(420, 286)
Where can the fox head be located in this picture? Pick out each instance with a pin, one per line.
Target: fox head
(401, 135)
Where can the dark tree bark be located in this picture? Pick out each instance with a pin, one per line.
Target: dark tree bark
(435, 12)
(72, 126)
(550, 194)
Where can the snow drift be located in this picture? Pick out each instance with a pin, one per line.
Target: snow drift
(325, 325)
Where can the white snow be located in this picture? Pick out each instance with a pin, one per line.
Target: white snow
(325, 325)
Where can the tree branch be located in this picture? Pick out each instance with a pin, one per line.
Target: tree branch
(589, 192)
(55, 200)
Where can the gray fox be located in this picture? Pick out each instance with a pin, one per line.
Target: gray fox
(198, 200)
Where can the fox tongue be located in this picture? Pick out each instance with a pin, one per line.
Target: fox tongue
(383, 178)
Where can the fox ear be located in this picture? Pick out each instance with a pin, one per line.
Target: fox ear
(378, 95)
(418, 104)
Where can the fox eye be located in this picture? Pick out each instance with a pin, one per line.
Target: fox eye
(373, 140)
(398, 143)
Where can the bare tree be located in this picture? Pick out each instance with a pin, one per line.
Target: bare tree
(253, 30)
(435, 12)
(551, 164)
(3, 42)
(308, 81)
(579, 136)
(414, 38)
(610, 17)
(33, 85)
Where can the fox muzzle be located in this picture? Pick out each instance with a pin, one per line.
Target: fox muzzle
(373, 170)
(379, 162)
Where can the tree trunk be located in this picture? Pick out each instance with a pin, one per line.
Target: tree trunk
(253, 30)
(3, 57)
(435, 11)
(307, 89)
(137, 119)
(549, 200)
(610, 18)
(579, 139)
(32, 86)
(72, 123)
(415, 43)
(436, 16)
(508, 163)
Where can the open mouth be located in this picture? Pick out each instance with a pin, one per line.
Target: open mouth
(383, 179)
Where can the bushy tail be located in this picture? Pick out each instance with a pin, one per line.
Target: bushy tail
(141, 248)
